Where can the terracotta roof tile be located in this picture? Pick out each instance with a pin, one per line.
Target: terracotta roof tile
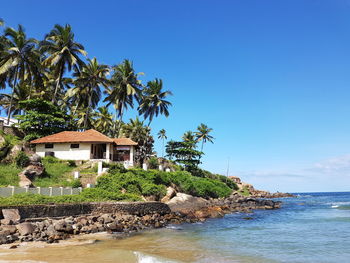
(74, 136)
(124, 141)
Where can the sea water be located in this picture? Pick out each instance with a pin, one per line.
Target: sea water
(313, 227)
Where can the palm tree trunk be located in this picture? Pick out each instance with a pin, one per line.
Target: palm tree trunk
(11, 99)
(57, 85)
(201, 150)
(163, 149)
(87, 113)
(120, 120)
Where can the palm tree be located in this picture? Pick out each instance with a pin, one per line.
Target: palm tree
(63, 52)
(189, 138)
(153, 100)
(162, 135)
(10, 102)
(87, 92)
(19, 59)
(125, 87)
(203, 134)
(104, 121)
(1, 22)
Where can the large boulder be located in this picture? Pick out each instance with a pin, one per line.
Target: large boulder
(35, 158)
(33, 171)
(170, 193)
(185, 203)
(11, 215)
(25, 228)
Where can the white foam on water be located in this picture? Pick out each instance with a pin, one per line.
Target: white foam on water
(335, 206)
(143, 258)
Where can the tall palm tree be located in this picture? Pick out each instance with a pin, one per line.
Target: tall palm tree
(87, 91)
(19, 59)
(162, 135)
(63, 52)
(153, 100)
(104, 121)
(124, 89)
(189, 138)
(10, 102)
(203, 134)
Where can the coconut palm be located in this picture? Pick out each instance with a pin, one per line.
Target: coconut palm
(19, 60)
(189, 138)
(63, 53)
(153, 100)
(124, 89)
(10, 102)
(104, 120)
(87, 91)
(203, 134)
(162, 135)
(1, 22)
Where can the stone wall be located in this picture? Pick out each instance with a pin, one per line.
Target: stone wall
(65, 210)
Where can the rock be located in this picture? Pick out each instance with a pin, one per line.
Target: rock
(185, 203)
(25, 228)
(10, 228)
(24, 181)
(33, 171)
(115, 227)
(6, 222)
(35, 158)
(11, 214)
(170, 193)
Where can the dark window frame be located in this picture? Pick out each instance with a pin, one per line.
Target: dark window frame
(49, 145)
(74, 146)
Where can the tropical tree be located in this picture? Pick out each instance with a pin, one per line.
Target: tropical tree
(203, 134)
(189, 138)
(138, 132)
(104, 121)
(63, 53)
(162, 135)
(19, 59)
(10, 102)
(87, 91)
(154, 101)
(124, 89)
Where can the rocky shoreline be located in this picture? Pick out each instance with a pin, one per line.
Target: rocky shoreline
(183, 209)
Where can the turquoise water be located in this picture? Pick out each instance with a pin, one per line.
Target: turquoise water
(314, 227)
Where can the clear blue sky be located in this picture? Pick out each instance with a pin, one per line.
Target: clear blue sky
(272, 78)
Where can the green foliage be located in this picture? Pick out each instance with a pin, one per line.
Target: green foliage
(88, 195)
(42, 118)
(9, 174)
(244, 191)
(76, 183)
(71, 163)
(9, 141)
(154, 182)
(21, 159)
(117, 167)
(183, 153)
(153, 163)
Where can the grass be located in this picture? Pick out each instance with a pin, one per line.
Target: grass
(244, 191)
(9, 174)
(57, 173)
(88, 195)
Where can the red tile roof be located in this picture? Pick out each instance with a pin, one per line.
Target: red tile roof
(74, 136)
(124, 141)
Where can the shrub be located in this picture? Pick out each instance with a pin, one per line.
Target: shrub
(117, 168)
(51, 159)
(71, 163)
(76, 183)
(153, 163)
(21, 159)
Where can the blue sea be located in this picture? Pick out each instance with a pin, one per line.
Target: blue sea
(313, 227)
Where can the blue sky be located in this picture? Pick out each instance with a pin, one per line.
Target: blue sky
(272, 78)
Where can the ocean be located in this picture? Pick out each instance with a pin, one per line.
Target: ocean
(313, 227)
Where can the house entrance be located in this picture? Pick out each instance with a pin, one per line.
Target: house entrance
(98, 151)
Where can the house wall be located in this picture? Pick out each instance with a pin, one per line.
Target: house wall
(63, 151)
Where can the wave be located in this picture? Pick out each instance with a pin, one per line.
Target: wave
(143, 258)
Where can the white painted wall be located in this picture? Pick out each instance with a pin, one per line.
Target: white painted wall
(63, 151)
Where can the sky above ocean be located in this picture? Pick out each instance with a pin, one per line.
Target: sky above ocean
(272, 78)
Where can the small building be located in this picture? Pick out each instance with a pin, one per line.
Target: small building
(86, 145)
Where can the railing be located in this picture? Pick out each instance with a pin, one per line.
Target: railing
(49, 191)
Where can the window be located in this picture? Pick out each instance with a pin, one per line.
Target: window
(74, 146)
(48, 145)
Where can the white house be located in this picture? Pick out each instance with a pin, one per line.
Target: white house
(86, 145)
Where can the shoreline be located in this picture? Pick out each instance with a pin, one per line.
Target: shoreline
(192, 210)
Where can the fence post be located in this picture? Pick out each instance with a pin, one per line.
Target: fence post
(13, 190)
(27, 188)
(39, 190)
(80, 190)
(71, 191)
(61, 190)
(50, 192)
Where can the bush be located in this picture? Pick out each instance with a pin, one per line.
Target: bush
(117, 167)
(71, 163)
(76, 183)
(153, 163)
(21, 159)
(51, 159)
